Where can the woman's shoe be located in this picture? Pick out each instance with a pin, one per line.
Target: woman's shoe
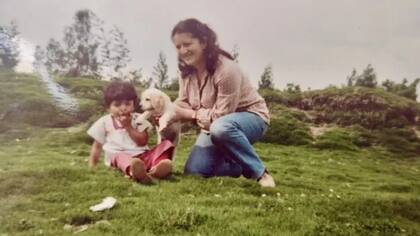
(266, 180)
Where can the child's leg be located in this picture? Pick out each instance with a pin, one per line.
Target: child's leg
(122, 162)
(163, 167)
(158, 160)
(133, 167)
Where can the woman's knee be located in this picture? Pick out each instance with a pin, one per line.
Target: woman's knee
(220, 129)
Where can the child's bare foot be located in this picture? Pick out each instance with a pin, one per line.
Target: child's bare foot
(138, 171)
(162, 169)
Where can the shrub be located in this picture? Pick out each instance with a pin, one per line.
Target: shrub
(287, 130)
(400, 141)
(341, 139)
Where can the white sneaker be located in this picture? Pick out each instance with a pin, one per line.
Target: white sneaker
(267, 181)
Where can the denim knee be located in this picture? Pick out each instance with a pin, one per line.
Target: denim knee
(220, 130)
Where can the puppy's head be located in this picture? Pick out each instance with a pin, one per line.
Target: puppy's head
(153, 100)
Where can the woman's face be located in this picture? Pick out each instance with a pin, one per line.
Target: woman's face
(190, 50)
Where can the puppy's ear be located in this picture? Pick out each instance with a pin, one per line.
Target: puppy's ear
(158, 103)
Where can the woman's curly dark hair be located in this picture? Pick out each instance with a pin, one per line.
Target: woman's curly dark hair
(204, 34)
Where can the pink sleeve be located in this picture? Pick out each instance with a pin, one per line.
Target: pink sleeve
(228, 90)
(182, 99)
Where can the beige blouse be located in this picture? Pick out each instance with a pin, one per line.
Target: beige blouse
(227, 91)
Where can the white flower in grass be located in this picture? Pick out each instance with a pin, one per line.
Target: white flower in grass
(263, 195)
(302, 195)
(217, 195)
(331, 190)
(289, 208)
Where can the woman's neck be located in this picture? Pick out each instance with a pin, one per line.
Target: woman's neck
(201, 69)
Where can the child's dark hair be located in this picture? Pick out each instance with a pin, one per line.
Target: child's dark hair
(120, 91)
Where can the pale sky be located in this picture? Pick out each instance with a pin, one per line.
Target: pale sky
(310, 43)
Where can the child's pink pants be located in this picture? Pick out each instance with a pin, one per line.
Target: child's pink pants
(150, 158)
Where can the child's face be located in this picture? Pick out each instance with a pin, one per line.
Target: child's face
(121, 108)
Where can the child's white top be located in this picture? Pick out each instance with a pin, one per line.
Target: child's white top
(114, 139)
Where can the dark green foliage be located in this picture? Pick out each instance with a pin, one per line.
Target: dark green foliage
(87, 50)
(370, 108)
(403, 89)
(340, 139)
(266, 80)
(9, 49)
(160, 72)
(272, 97)
(286, 129)
(367, 78)
(401, 141)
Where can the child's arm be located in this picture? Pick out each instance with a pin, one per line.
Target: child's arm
(95, 153)
(140, 138)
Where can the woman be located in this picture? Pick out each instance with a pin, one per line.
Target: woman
(215, 94)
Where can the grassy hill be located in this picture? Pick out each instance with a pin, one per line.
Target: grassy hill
(346, 180)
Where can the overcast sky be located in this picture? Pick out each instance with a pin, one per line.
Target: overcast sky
(311, 43)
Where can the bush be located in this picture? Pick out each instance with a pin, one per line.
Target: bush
(287, 130)
(400, 141)
(341, 139)
(370, 108)
(38, 112)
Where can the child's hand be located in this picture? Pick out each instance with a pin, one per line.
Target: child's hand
(125, 120)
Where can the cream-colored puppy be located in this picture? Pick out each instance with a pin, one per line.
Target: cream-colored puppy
(156, 103)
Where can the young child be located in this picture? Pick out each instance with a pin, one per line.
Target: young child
(124, 142)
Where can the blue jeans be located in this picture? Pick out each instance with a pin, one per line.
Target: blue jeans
(227, 150)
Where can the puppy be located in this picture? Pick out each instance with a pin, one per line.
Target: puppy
(156, 103)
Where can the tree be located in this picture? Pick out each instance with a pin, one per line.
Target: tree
(292, 88)
(81, 43)
(39, 56)
(87, 49)
(367, 78)
(56, 58)
(9, 52)
(351, 79)
(115, 54)
(135, 76)
(174, 84)
(266, 81)
(160, 71)
(402, 89)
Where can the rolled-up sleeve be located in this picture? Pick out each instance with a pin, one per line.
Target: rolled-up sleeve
(228, 94)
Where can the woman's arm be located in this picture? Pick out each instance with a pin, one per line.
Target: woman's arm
(185, 114)
(95, 153)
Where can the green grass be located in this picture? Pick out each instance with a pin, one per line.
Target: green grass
(45, 184)
(329, 189)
